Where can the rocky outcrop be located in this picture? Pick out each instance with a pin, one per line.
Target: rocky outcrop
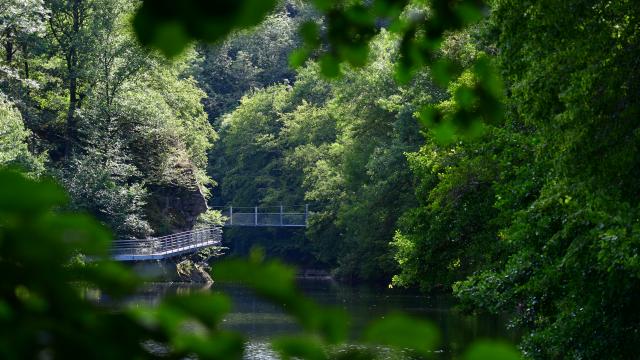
(175, 205)
(188, 271)
(195, 268)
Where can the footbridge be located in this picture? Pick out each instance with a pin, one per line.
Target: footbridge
(271, 216)
(173, 245)
(165, 247)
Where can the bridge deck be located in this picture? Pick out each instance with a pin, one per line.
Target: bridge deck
(166, 246)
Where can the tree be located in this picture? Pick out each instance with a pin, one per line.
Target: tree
(571, 277)
(254, 58)
(336, 144)
(20, 21)
(119, 123)
(14, 138)
(69, 24)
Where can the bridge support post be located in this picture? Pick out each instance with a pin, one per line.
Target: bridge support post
(230, 215)
(306, 214)
(256, 216)
(281, 214)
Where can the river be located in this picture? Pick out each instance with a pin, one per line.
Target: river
(260, 321)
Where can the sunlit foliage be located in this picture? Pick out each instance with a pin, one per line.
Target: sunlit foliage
(14, 150)
(122, 128)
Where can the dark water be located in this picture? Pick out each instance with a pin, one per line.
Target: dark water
(260, 321)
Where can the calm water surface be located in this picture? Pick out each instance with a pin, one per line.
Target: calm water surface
(260, 321)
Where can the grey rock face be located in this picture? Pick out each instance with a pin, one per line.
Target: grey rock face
(175, 206)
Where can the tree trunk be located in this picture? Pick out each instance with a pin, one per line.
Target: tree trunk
(25, 50)
(72, 68)
(8, 46)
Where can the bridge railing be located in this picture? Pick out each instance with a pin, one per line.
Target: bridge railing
(275, 216)
(167, 244)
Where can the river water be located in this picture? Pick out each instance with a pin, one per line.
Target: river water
(260, 321)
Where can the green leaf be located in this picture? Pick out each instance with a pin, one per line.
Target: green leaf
(483, 350)
(333, 325)
(298, 57)
(111, 277)
(356, 55)
(75, 233)
(444, 71)
(403, 332)
(208, 308)
(299, 347)
(170, 25)
(170, 38)
(465, 97)
(270, 279)
(329, 66)
(310, 34)
(469, 12)
(323, 5)
(219, 346)
(275, 282)
(24, 195)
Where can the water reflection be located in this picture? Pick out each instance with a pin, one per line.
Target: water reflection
(260, 321)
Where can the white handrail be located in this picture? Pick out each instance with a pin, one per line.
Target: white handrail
(166, 246)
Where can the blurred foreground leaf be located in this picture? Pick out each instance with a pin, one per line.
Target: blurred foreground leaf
(485, 350)
(299, 347)
(171, 25)
(26, 196)
(208, 308)
(403, 332)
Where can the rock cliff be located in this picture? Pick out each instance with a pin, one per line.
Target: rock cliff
(174, 205)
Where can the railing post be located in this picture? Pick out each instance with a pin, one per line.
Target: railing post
(230, 215)
(281, 214)
(255, 217)
(306, 214)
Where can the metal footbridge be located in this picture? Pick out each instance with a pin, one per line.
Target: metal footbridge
(165, 247)
(169, 246)
(271, 216)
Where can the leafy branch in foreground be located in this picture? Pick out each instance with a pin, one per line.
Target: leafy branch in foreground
(42, 313)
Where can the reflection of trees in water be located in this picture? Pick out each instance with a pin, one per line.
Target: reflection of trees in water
(260, 321)
(149, 294)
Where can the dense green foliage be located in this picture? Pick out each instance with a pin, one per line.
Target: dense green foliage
(505, 171)
(573, 268)
(338, 145)
(530, 212)
(14, 149)
(253, 58)
(123, 129)
(540, 211)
